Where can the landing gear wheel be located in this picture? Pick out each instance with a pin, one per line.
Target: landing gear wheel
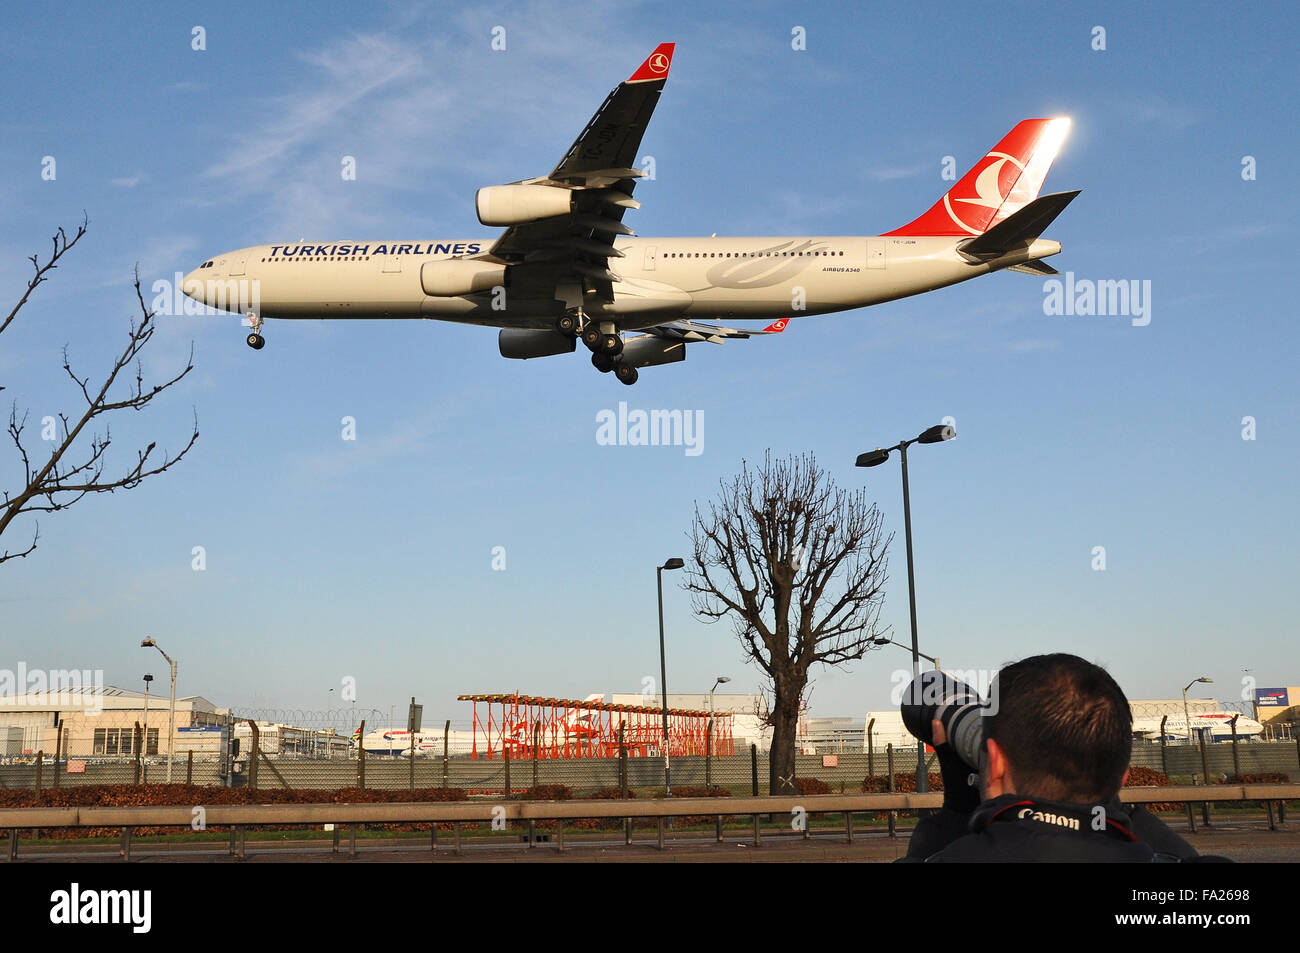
(592, 337)
(567, 324)
(626, 373)
(602, 362)
(256, 341)
(611, 344)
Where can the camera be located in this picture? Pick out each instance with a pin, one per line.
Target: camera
(957, 706)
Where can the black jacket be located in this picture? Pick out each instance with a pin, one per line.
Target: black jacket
(1014, 828)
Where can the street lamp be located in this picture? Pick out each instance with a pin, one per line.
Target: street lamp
(673, 563)
(147, 680)
(884, 641)
(708, 735)
(874, 458)
(1186, 716)
(171, 714)
(722, 680)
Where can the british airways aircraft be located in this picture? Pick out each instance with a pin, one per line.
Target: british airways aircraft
(567, 268)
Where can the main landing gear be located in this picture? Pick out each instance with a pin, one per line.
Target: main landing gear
(604, 342)
(624, 372)
(255, 339)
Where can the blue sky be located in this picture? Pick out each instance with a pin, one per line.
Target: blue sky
(373, 558)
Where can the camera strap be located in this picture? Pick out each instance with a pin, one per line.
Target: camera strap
(1055, 815)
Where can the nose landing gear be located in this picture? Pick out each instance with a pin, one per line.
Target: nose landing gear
(255, 339)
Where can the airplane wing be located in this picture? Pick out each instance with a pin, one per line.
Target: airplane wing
(690, 331)
(599, 169)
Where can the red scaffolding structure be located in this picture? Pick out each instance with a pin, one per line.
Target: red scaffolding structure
(569, 728)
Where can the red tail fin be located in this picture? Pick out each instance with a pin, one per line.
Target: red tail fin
(1000, 184)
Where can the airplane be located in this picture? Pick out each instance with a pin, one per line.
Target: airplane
(1219, 723)
(427, 744)
(567, 268)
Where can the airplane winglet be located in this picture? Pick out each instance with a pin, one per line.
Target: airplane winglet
(776, 327)
(656, 65)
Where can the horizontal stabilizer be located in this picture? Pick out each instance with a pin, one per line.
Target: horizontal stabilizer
(1040, 268)
(1018, 229)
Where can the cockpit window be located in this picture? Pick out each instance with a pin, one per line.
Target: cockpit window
(206, 264)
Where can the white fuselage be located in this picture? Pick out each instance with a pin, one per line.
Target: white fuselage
(659, 279)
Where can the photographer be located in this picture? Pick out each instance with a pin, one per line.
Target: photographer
(1052, 747)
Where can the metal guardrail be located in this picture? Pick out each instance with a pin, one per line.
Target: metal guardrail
(240, 816)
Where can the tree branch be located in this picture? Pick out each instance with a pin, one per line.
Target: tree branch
(60, 482)
(62, 243)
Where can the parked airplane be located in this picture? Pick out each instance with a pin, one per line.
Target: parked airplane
(427, 743)
(1218, 722)
(567, 268)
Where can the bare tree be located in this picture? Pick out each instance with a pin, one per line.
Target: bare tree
(75, 465)
(800, 567)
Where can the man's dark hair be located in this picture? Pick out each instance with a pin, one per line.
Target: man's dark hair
(1065, 727)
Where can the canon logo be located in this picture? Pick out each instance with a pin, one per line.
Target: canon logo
(1060, 820)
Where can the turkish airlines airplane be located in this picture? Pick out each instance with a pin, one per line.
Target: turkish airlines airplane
(567, 268)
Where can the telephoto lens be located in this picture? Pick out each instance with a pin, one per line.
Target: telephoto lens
(957, 706)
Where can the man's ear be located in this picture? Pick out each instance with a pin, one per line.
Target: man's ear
(1124, 780)
(996, 779)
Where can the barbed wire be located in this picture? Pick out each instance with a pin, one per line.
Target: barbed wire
(342, 719)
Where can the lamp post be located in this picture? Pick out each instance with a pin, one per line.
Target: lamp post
(721, 680)
(674, 563)
(928, 658)
(708, 735)
(1186, 715)
(171, 713)
(147, 680)
(874, 458)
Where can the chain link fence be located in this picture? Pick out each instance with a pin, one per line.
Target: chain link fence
(743, 773)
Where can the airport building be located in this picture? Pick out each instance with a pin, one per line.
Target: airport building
(1278, 710)
(290, 741)
(813, 735)
(103, 721)
(113, 723)
(1149, 715)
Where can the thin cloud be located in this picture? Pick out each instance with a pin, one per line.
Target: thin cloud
(405, 438)
(891, 173)
(354, 70)
(1154, 109)
(411, 113)
(1032, 345)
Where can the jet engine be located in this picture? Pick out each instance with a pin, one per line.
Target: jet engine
(645, 350)
(523, 343)
(460, 276)
(521, 204)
